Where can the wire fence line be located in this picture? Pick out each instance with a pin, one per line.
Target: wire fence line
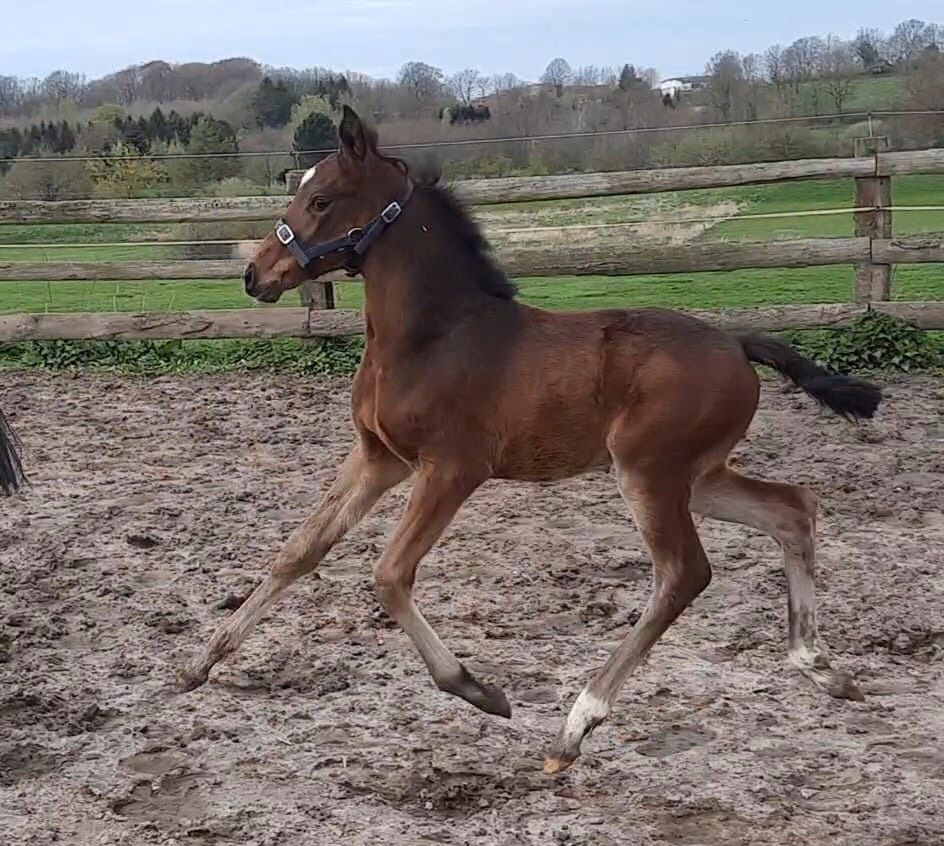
(463, 142)
(638, 221)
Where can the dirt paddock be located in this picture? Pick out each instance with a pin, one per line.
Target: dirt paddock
(156, 504)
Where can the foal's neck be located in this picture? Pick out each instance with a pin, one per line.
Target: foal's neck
(421, 281)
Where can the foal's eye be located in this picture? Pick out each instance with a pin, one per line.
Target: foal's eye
(321, 203)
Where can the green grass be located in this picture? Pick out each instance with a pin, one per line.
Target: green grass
(697, 290)
(724, 289)
(875, 93)
(828, 194)
(867, 94)
(124, 296)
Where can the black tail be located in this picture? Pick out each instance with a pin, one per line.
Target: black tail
(11, 470)
(853, 398)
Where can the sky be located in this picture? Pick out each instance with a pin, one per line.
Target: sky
(376, 37)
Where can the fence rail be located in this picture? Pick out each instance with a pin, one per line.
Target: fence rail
(872, 252)
(512, 189)
(547, 260)
(337, 323)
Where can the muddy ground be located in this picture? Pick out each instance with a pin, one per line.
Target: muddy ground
(156, 502)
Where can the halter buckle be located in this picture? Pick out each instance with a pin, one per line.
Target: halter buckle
(391, 213)
(284, 233)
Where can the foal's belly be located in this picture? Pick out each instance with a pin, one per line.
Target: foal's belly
(540, 458)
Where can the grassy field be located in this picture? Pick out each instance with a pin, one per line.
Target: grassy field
(867, 94)
(704, 290)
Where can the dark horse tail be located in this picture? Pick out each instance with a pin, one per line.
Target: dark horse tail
(11, 470)
(852, 398)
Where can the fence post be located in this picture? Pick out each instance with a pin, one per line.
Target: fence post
(316, 294)
(873, 281)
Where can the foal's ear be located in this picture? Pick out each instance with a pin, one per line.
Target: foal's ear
(356, 139)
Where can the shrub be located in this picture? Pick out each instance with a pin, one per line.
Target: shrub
(60, 179)
(124, 172)
(234, 186)
(332, 357)
(874, 342)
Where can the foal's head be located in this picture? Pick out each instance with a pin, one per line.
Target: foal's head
(343, 192)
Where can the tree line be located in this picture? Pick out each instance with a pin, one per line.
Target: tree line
(159, 111)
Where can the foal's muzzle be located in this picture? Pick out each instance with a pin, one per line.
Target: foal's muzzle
(249, 279)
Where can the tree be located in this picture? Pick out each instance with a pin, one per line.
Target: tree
(156, 81)
(11, 94)
(727, 81)
(558, 74)
(504, 82)
(910, 40)
(802, 59)
(209, 135)
(589, 75)
(464, 85)
(629, 79)
(158, 127)
(135, 134)
(423, 81)
(926, 84)
(315, 132)
(61, 85)
(313, 127)
(127, 82)
(837, 67)
(124, 172)
(650, 76)
(774, 66)
(266, 170)
(47, 179)
(10, 141)
(272, 103)
(869, 44)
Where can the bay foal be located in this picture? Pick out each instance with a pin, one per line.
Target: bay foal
(459, 383)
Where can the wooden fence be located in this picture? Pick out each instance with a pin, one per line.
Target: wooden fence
(872, 251)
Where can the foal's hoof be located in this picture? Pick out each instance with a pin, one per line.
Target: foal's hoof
(191, 679)
(586, 714)
(836, 683)
(485, 697)
(553, 766)
(493, 701)
(842, 686)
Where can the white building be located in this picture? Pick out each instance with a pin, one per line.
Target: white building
(676, 85)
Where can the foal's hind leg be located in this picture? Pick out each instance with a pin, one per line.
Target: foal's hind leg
(660, 505)
(436, 497)
(788, 514)
(368, 472)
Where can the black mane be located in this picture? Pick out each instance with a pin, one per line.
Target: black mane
(453, 215)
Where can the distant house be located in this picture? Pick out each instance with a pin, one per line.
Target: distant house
(881, 66)
(676, 85)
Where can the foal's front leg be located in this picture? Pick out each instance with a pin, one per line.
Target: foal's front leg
(367, 473)
(435, 499)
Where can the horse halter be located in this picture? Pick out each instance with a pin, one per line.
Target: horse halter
(357, 241)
